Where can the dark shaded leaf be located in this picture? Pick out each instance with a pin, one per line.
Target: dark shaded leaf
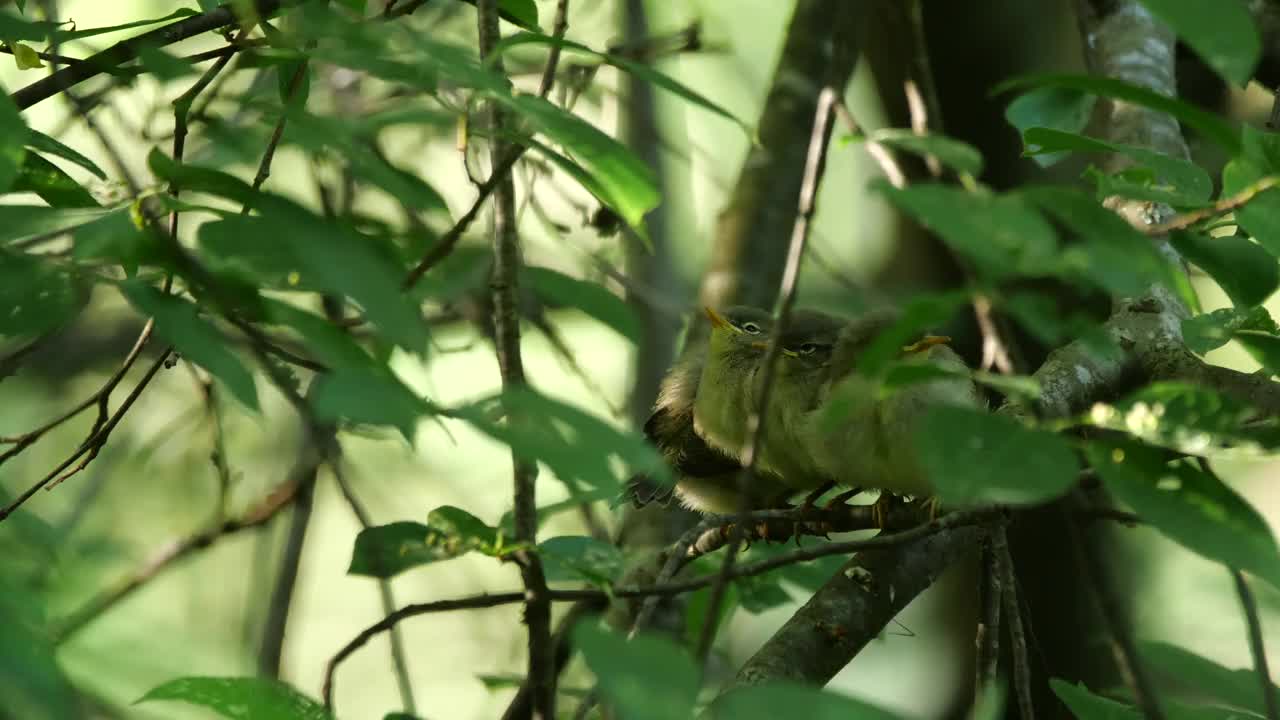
(40, 142)
(646, 678)
(1206, 123)
(35, 295)
(13, 140)
(592, 298)
(1243, 268)
(1264, 347)
(178, 321)
(779, 700)
(20, 222)
(370, 394)
(54, 186)
(31, 683)
(1180, 182)
(1221, 33)
(1001, 234)
(581, 558)
(1191, 507)
(1063, 109)
(640, 70)
(1211, 331)
(162, 64)
(1087, 706)
(385, 551)
(955, 154)
(331, 345)
(241, 698)
(974, 457)
(1235, 688)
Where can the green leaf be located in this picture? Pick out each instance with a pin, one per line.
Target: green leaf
(1111, 254)
(178, 321)
(1260, 158)
(54, 186)
(640, 70)
(13, 27)
(518, 12)
(1264, 347)
(241, 698)
(1001, 234)
(575, 445)
(646, 678)
(162, 64)
(592, 298)
(370, 394)
(581, 558)
(1210, 331)
(63, 36)
(974, 457)
(627, 184)
(31, 683)
(960, 156)
(1207, 679)
(782, 700)
(385, 551)
(1221, 33)
(1057, 108)
(1183, 182)
(1191, 507)
(13, 140)
(289, 95)
(24, 57)
(21, 222)
(1206, 123)
(330, 344)
(1087, 706)
(38, 141)
(1188, 418)
(1243, 268)
(36, 295)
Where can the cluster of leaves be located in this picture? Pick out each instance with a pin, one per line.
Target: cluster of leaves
(263, 269)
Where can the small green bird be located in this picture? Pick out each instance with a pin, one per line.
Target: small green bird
(832, 423)
(699, 419)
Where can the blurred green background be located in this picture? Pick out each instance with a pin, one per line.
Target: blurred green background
(154, 482)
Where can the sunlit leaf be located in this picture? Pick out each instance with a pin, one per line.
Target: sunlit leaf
(1244, 269)
(241, 698)
(1221, 33)
(778, 700)
(1191, 507)
(178, 321)
(628, 672)
(974, 457)
(1189, 418)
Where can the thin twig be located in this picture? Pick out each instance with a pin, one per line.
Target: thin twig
(399, 661)
(994, 352)
(1256, 644)
(815, 163)
(1122, 646)
(1013, 613)
(264, 166)
(881, 542)
(169, 554)
(506, 323)
(883, 156)
(1221, 207)
(987, 638)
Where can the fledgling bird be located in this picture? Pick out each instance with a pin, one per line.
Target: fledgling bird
(698, 419)
(838, 424)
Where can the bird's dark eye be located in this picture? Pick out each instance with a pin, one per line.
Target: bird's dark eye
(808, 348)
(750, 327)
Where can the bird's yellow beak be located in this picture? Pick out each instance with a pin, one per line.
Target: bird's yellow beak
(925, 343)
(717, 320)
